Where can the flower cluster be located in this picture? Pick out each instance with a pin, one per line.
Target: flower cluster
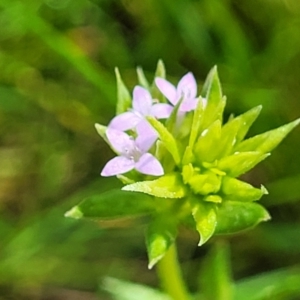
(133, 152)
(176, 153)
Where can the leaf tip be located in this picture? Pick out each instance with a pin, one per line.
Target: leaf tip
(117, 72)
(264, 190)
(74, 213)
(203, 240)
(296, 122)
(266, 217)
(154, 261)
(101, 129)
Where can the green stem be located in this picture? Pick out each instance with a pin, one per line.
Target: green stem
(170, 275)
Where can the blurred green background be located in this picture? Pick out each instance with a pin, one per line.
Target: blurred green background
(57, 60)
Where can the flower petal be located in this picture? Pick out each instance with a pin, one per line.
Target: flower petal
(124, 121)
(147, 135)
(149, 165)
(142, 100)
(167, 89)
(187, 86)
(161, 110)
(120, 141)
(188, 105)
(117, 165)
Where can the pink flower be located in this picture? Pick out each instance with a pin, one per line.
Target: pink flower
(142, 106)
(132, 154)
(186, 89)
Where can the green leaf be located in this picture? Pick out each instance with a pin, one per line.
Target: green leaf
(112, 204)
(197, 117)
(215, 276)
(160, 236)
(188, 156)
(235, 216)
(267, 141)
(235, 130)
(205, 216)
(167, 186)
(238, 190)
(247, 120)
(228, 138)
(160, 72)
(142, 78)
(173, 118)
(160, 69)
(240, 162)
(123, 95)
(215, 101)
(101, 129)
(206, 149)
(167, 139)
(279, 284)
(123, 290)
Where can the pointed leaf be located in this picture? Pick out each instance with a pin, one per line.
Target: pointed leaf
(205, 149)
(240, 162)
(197, 118)
(228, 138)
(142, 78)
(211, 80)
(235, 130)
(238, 190)
(112, 204)
(215, 101)
(160, 72)
(235, 216)
(160, 236)
(167, 138)
(173, 118)
(205, 216)
(188, 156)
(123, 95)
(167, 186)
(267, 141)
(160, 69)
(247, 119)
(102, 131)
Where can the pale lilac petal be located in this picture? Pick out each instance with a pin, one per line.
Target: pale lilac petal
(161, 110)
(118, 165)
(124, 121)
(142, 100)
(149, 165)
(187, 86)
(120, 140)
(188, 105)
(167, 89)
(146, 136)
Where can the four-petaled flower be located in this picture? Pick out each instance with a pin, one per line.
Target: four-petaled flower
(185, 90)
(133, 154)
(142, 106)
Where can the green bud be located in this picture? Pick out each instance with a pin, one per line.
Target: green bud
(206, 183)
